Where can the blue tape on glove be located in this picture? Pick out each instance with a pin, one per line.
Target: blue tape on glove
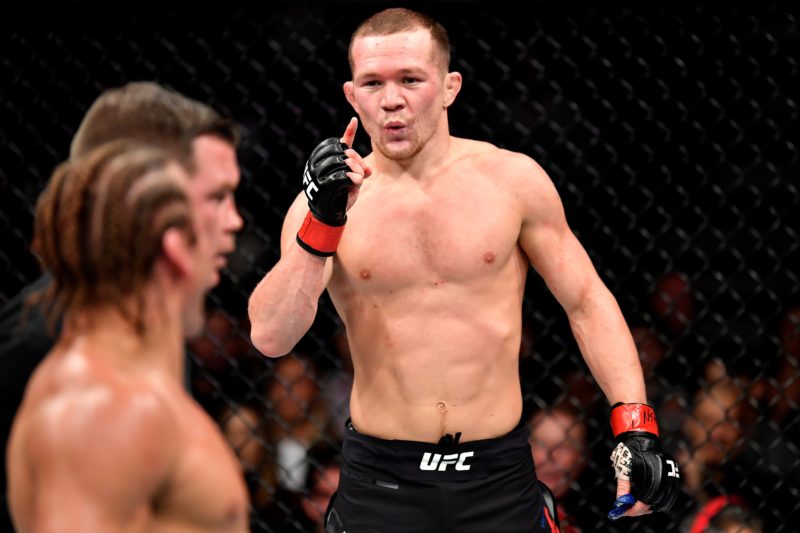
(622, 504)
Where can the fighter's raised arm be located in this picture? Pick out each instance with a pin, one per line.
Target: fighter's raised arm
(283, 305)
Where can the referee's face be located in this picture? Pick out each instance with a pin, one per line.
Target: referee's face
(212, 187)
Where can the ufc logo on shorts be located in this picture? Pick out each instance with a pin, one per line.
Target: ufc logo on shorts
(673, 469)
(437, 461)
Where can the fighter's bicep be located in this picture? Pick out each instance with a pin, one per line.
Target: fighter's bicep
(554, 251)
(563, 264)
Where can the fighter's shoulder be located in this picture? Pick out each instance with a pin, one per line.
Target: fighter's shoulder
(67, 405)
(515, 168)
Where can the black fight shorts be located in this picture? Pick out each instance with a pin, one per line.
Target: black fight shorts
(486, 486)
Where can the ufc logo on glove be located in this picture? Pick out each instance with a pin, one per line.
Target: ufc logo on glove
(310, 186)
(673, 469)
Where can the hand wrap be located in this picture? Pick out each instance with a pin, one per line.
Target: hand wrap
(638, 457)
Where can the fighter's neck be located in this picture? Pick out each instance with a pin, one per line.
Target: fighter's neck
(158, 346)
(429, 162)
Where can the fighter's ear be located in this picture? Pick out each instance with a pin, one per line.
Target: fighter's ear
(177, 251)
(452, 85)
(348, 93)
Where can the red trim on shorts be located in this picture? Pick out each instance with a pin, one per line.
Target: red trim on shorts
(318, 237)
(633, 417)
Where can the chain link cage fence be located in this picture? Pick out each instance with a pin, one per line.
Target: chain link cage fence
(670, 133)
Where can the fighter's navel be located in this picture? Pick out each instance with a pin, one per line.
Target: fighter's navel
(441, 407)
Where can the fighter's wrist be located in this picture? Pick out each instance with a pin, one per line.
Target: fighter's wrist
(633, 418)
(319, 238)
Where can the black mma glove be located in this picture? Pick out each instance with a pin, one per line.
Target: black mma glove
(638, 457)
(326, 186)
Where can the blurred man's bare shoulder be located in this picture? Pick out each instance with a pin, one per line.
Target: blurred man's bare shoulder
(74, 394)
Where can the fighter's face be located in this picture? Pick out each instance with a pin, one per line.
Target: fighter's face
(399, 91)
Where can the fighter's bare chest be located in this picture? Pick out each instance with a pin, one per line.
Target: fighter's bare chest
(449, 235)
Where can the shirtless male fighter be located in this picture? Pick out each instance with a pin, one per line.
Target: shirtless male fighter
(425, 261)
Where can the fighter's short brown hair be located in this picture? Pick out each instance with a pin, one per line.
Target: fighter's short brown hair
(399, 19)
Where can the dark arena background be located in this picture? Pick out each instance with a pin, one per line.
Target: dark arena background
(670, 133)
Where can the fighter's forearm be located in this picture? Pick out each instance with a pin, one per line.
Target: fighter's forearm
(284, 304)
(607, 346)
